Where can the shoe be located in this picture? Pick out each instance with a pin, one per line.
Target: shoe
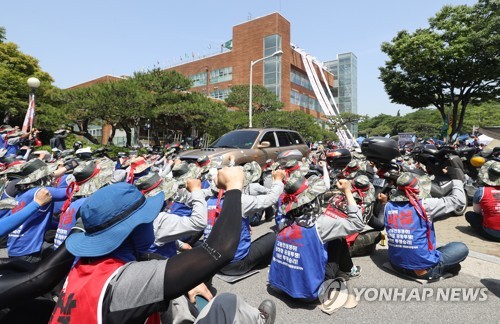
(455, 270)
(354, 273)
(268, 311)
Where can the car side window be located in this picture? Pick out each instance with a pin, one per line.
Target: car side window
(269, 136)
(296, 138)
(283, 139)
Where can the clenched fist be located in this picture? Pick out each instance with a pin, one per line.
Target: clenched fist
(43, 197)
(193, 184)
(230, 178)
(344, 185)
(279, 175)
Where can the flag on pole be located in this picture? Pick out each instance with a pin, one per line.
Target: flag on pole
(30, 114)
(228, 44)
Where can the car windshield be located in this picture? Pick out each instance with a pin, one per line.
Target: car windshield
(238, 139)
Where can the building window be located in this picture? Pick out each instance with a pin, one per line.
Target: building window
(304, 101)
(272, 65)
(300, 79)
(95, 132)
(220, 94)
(221, 75)
(199, 79)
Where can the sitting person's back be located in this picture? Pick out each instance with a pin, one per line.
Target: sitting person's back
(485, 218)
(409, 224)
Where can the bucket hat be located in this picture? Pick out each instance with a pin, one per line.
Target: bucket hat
(183, 171)
(137, 165)
(205, 164)
(152, 184)
(33, 171)
(300, 191)
(353, 169)
(109, 216)
(362, 189)
(15, 134)
(91, 176)
(407, 179)
(252, 171)
(8, 203)
(294, 166)
(13, 170)
(490, 173)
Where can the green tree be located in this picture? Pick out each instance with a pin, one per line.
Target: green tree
(451, 63)
(15, 69)
(3, 33)
(484, 115)
(262, 99)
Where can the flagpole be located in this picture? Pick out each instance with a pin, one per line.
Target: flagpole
(33, 83)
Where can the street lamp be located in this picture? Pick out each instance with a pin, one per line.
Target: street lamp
(252, 63)
(33, 83)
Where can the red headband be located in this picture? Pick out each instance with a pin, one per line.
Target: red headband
(75, 187)
(288, 199)
(412, 193)
(156, 184)
(203, 163)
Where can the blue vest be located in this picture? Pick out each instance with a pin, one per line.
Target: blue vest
(205, 184)
(299, 261)
(11, 150)
(28, 238)
(407, 238)
(245, 237)
(180, 209)
(66, 222)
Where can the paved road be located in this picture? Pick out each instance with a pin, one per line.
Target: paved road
(476, 273)
(480, 270)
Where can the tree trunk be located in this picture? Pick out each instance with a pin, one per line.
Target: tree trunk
(128, 134)
(83, 126)
(113, 133)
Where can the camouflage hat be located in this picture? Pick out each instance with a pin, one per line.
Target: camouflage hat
(294, 166)
(91, 176)
(15, 134)
(152, 184)
(300, 191)
(182, 195)
(363, 189)
(490, 173)
(268, 166)
(205, 164)
(44, 155)
(252, 171)
(13, 171)
(183, 171)
(408, 179)
(33, 171)
(8, 203)
(139, 164)
(353, 169)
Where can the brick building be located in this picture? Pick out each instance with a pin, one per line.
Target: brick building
(286, 75)
(297, 79)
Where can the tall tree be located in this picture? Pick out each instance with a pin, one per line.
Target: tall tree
(15, 69)
(3, 33)
(262, 99)
(453, 62)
